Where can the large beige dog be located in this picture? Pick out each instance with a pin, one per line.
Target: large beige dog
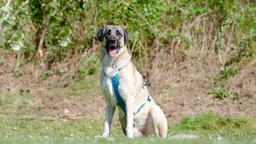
(123, 87)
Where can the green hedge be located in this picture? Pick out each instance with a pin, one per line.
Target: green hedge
(67, 28)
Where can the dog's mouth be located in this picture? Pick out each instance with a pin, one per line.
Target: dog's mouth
(112, 51)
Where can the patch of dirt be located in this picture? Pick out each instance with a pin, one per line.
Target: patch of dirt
(186, 90)
(183, 91)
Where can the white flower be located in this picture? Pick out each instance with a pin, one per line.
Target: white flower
(18, 46)
(64, 43)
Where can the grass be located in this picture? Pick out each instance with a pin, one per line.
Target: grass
(204, 128)
(14, 102)
(207, 127)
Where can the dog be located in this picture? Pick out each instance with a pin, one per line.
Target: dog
(123, 87)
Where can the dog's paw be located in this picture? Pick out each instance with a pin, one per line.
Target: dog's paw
(101, 136)
(130, 134)
(105, 135)
(98, 136)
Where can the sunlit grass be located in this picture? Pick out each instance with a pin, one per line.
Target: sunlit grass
(203, 128)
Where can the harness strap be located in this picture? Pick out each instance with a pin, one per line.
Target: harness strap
(120, 101)
(138, 110)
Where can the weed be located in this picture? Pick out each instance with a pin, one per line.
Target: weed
(225, 73)
(221, 93)
(85, 84)
(88, 65)
(12, 102)
(214, 124)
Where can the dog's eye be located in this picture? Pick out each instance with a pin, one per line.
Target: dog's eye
(118, 33)
(107, 33)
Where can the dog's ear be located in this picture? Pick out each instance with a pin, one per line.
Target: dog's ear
(100, 33)
(126, 35)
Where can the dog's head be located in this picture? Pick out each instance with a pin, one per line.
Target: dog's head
(113, 37)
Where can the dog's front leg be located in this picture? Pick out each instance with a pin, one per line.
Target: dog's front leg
(109, 113)
(129, 114)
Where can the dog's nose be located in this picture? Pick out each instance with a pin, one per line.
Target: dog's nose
(112, 39)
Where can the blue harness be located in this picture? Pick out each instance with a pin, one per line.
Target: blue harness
(120, 101)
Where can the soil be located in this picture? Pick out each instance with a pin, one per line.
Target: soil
(182, 91)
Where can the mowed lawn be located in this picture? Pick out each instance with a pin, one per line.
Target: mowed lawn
(203, 128)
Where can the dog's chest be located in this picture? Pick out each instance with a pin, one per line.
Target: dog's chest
(107, 88)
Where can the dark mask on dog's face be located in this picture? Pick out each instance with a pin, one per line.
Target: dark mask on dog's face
(115, 37)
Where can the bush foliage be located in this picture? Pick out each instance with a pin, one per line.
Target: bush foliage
(54, 31)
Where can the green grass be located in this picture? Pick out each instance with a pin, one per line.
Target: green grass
(13, 102)
(208, 127)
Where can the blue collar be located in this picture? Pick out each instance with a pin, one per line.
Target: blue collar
(120, 100)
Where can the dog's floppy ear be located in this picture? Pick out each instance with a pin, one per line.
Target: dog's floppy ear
(126, 36)
(100, 33)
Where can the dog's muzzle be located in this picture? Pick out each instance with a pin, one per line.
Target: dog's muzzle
(112, 45)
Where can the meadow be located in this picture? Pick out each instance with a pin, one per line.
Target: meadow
(204, 128)
(198, 58)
